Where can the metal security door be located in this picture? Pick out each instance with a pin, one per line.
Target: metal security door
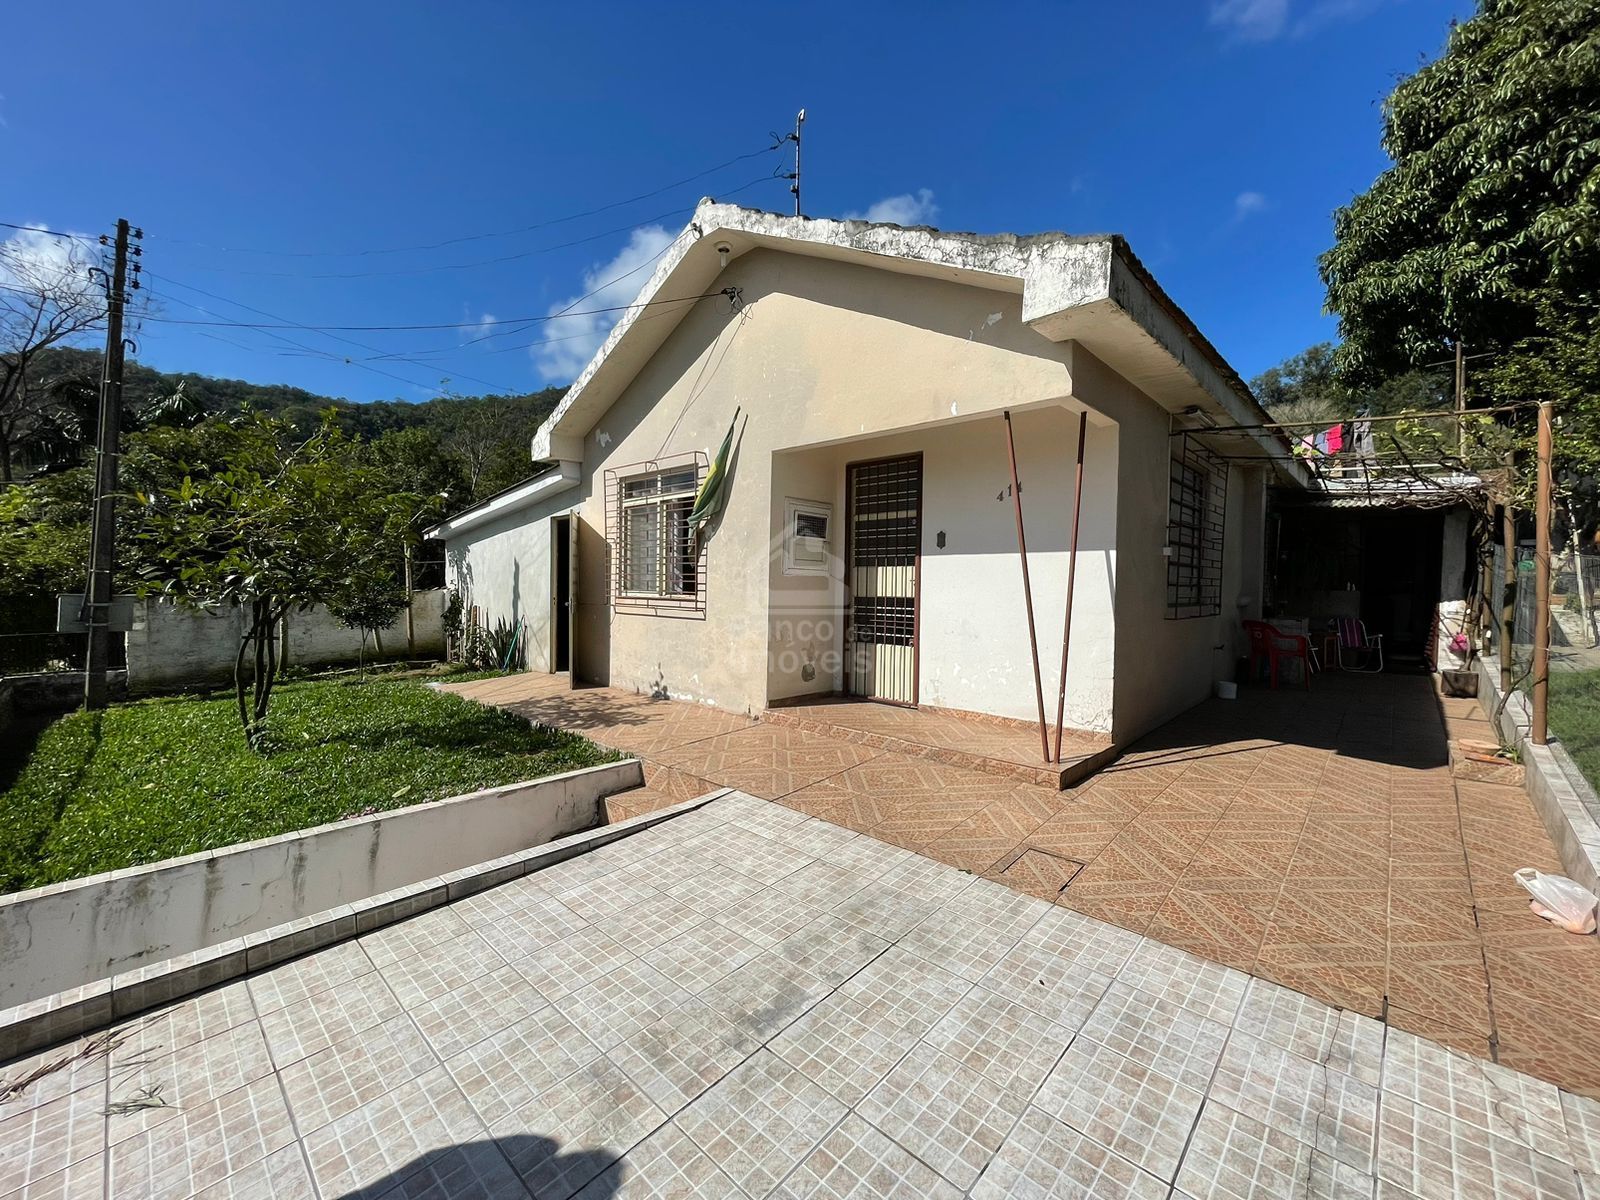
(885, 530)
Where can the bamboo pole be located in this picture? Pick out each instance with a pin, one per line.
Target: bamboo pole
(1072, 574)
(1027, 588)
(1539, 733)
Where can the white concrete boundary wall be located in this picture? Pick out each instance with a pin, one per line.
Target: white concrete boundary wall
(76, 933)
(170, 646)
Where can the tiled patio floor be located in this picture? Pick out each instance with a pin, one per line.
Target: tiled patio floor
(992, 745)
(1314, 839)
(743, 1001)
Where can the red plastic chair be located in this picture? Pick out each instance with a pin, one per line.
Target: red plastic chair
(1275, 646)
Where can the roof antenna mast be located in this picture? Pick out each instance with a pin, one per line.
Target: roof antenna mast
(794, 185)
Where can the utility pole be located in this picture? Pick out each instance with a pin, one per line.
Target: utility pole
(1539, 733)
(103, 535)
(1461, 401)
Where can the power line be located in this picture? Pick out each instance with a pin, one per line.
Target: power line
(482, 262)
(477, 237)
(75, 237)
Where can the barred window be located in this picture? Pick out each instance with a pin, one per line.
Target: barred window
(1196, 503)
(658, 564)
(658, 552)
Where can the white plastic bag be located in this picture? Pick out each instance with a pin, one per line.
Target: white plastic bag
(1559, 900)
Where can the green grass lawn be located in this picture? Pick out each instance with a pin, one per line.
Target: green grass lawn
(1575, 718)
(160, 778)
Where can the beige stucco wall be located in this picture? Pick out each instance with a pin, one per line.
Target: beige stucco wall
(503, 567)
(1164, 666)
(974, 636)
(832, 363)
(823, 353)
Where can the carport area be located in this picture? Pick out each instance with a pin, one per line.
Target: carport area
(1314, 839)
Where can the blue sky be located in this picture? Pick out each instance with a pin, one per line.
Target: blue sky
(1217, 135)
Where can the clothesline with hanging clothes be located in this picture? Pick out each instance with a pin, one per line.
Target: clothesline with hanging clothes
(1355, 435)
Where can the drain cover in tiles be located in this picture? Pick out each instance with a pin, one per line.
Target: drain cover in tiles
(1040, 873)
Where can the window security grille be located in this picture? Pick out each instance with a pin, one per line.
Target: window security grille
(1197, 495)
(658, 565)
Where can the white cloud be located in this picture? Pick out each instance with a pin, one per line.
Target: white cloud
(473, 328)
(605, 285)
(1250, 20)
(1248, 204)
(904, 209)
(36, 261)
(1266, 20)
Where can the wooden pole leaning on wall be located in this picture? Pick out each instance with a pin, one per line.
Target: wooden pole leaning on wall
(1508, 582)
(1539, 733)
(1027, 589)
(1072, 576)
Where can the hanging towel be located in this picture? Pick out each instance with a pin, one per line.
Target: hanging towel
(1320, 443)
(1363, 439)
(1335, 438)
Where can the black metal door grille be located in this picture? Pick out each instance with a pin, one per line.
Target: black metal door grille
(885, 547)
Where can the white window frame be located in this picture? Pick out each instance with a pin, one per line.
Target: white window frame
(663, 554)
(792, 510)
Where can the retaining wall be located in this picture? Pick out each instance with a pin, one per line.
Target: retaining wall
(74, 934)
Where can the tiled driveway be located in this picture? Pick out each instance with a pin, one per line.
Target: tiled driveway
(746, 1002)
(1314, 839)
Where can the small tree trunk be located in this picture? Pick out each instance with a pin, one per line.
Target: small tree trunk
(239, 680)
(1585, 604)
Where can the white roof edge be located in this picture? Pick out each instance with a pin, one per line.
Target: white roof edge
(1054, 270)
(551, 483)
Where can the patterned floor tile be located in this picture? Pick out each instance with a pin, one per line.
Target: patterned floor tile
(761, 1121)
(950, 1116)
(348, 1074)
(667, 1165)
(445, 967)
(1000, 1039)
(701, 955)
(203, 1144)
(1157, 1034)
(576, 1128)
(508, 1069)
(1044, 1158)
(856, 1162)
(1344, 1041)
(1142, 1115)
(766, 760)
(1232, 1157)
(476, 1009)
(678, 1057)
(299, 1030)
(1491, 1097)
(44, 1140)
(1204, 988)
(1327, 1110)
(302, 977)
(1442, 1160)
(474, 1171)
(147, 1090)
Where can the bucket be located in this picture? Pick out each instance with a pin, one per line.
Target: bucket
(1226, 689)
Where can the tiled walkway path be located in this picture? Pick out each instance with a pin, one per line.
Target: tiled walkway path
(744, 1002)
(1317, 840)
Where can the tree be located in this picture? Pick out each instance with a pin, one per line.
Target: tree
(283, 524)
(1486, 229)
(46, 297)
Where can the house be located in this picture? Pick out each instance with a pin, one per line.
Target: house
(869, 540)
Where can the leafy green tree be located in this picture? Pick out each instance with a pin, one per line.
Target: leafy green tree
(281, 525)
(1486, 228)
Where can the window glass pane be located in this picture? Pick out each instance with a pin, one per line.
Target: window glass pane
(641, 548)
(680, 548)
